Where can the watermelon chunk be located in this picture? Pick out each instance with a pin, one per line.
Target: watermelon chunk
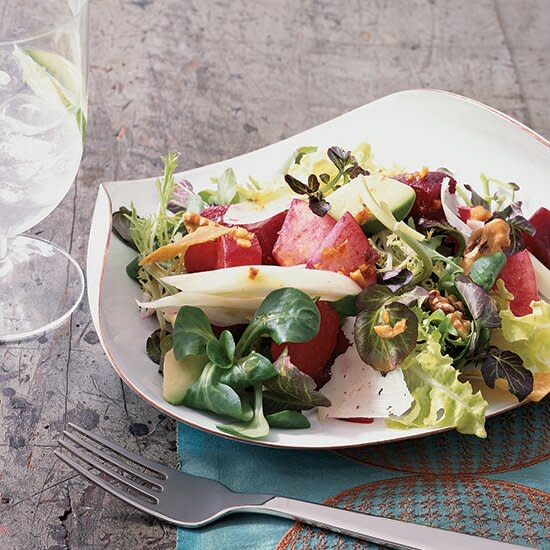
(223, 252)
(301, 234)
(313, 357)
(231, 254)
(518, 276)
(202, 257)
(539, 243)
(346, 249)
(267, 232)
(427, 186)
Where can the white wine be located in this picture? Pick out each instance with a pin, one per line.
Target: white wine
(41, 125)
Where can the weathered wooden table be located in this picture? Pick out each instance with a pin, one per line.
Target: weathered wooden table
(213, 79)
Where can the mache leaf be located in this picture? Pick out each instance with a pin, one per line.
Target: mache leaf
(486, 269)
(255, 428)
(285, 315)
(192, 332)
(248, 371)
(209, 394)
(289, 420)
(222, 351)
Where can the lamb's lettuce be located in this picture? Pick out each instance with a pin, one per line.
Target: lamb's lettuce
(255, 428)
(441, 399)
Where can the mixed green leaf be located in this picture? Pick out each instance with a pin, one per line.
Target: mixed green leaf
(235, 369)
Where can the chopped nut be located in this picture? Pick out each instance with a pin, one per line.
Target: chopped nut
(358, 277)
(453, 308)
(385, 315)
(244, 243)
(479, 213)
(387, 332)
(437, 301)
(192, 221)
(493, 237)
(463, 326)
(253, 272)
(384, 331)
(455, 302)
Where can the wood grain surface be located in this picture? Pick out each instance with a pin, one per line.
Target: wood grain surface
(214, 79)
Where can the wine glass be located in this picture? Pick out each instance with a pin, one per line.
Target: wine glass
(43, 106)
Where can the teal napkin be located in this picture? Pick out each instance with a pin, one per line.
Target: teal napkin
(498, 487)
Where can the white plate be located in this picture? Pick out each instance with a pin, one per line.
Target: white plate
(413, 128)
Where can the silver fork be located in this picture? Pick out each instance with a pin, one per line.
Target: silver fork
(191, 501)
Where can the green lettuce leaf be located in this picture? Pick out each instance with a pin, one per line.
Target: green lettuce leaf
(528, 336)
(441, 399)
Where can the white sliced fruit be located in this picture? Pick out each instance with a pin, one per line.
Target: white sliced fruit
(199, 299)
(449, 202)
(248, 212)
(542, 274)
(222, 311)
(259, 281)
(358, 391)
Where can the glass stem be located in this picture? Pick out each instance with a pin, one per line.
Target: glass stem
(3, 248)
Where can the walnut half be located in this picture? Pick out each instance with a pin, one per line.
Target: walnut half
(493, 237)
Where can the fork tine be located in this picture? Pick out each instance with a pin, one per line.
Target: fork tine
(111, 459)
(98, 466)
(159, 469)
(106, 486)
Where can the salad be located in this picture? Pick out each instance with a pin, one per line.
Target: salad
(343, 288)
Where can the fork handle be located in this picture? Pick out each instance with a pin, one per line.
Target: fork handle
(391, 532)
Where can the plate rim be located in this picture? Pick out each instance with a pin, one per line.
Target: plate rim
(96, 309)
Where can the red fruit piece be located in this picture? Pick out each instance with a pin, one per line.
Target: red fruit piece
(518, 276)
(232, 254)
(464, 213)
(202, 257)
(359, 420)
(301, 234)
(312, 357)
(223, 252)
(215, 213)
(267, 232)
(539, 243)
(346, 249)
(427, 186)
